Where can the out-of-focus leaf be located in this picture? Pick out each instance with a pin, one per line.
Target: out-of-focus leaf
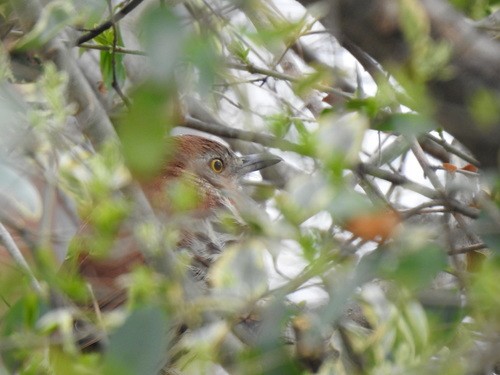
(20, 201)
(21, 317)
(487, 228)
(485, 291)
(474, 8)
(55, 16)
(23, 314)
(240, 275)
(347, 204)
(309, 81)
(484, 108)
(407, 123)
(415, 315)
(139, 345)
(415, 268)
(143, 131)
(339, 138)
(279, 124)
(62, 321)
(274, 38)
(202, 53)
(164, 39)
(238, 49)
(269, 356)
(368, 105)
(300, 204)
(63, 362)
(374, 225)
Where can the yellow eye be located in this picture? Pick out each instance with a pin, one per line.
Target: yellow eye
(217, 165)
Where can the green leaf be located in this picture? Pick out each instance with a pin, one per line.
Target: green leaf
(240, 275)
(143, 131)
(407, 124)
(203, 53)
(415, 268)
(54, 17)
(106, 58)
(164, 39)
(484, 108)
(139, 346)
(19, 199)
(369, 106)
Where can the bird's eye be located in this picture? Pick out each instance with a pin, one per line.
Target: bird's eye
(217, 165)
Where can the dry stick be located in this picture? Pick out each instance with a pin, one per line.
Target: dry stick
(18, 257)
(109, 23)
(419, 154)
(371, 66)
(373, 191)
(397, 180)
(244, 135)
(109, 49)
(451, 203)
(250, 68)
(468, 249)
(429, 172)
(453, 150)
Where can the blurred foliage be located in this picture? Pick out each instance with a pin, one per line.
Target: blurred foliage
(340, 270)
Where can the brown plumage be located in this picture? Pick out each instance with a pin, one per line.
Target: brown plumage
(213, 172)
(209, 169)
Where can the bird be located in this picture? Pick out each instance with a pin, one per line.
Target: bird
(210, 174)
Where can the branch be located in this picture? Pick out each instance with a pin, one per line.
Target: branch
(244, 135)
(250, 68)
(109, 49)
(374, 25)
(109, 23)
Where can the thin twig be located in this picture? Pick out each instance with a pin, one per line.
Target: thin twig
(109, 23)
(250, 68)
(453, 150)
(109, 49)
(397, 180)
(244, 135)
(114, 82)
(468, 249)
(424, 164)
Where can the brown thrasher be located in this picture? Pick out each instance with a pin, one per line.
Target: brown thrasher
(214, 173)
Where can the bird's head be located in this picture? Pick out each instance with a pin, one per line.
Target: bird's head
(212, 166)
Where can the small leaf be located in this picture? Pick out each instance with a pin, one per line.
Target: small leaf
(139, 345)
(470, 168)
(449, 167)
(374, 226)
(407, 124)
(240, 272)
(416, 268)
(143, 131)
(164, 39)
(20, 201)
(54, 17)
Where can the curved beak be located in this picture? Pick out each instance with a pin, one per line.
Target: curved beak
(256, 162)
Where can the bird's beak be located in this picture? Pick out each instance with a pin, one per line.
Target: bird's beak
(255, 162)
